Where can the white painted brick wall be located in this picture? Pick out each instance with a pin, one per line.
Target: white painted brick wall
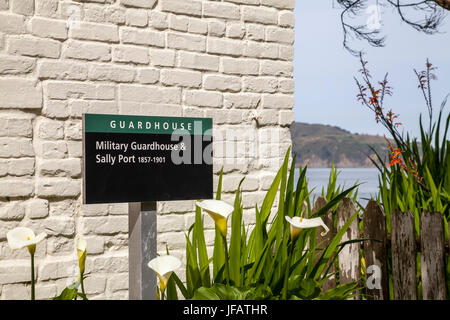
(226, 59)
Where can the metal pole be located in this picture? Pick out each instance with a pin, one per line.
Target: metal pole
(141, 249)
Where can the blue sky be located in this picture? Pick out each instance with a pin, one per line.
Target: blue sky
(325, 90)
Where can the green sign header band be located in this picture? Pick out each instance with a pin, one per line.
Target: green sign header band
(108, 123)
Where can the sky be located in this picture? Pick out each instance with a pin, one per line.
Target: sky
(325, 89)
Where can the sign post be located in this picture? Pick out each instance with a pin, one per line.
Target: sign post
(140, 160)
(142, 246)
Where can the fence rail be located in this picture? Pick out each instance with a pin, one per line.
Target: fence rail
(402, 245)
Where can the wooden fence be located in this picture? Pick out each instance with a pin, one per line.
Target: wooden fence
(403, 248)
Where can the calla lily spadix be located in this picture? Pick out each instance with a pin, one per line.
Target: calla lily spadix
(298, 224)
(22, 237)
(164, 266)
(218, 210)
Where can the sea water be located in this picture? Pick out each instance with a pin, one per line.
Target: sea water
(347, 177)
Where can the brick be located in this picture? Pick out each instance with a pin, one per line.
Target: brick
(203, 99)
(22, 270)
(225, 47)
(129, 54)
(4, 5)
(260, 15)
(118, 282)
(34, 47)
(145, 109)
(51, 129)
(12, 24)
(281, 35)
(95, 32)
(216, 28)
(199, 61)
(49, 28)
(62, 70)
(63, 90)
(286, 86)
(105, 72)
(149, 94)
(60, 168)
(46, 8)
(242, 101)
(21, 167)
(73, 130)
(240, 66)
(277, 68)
(261, 50)
(162, 58)
(95, 245)
(190, 79)
(191, 8)
(58, 188)
(267, 117)
(36, 208)
(158, 20)
(198, 26)
(168, 223)
(16, 65)
(106, 226)
(287, 53)
(222, 83)
(260, 84)
(186, 42)
(148, 4)
(57, 226)
(249, 2)
(94, 210)
(55, 109)
(99, 14)
(87, 51)
(16, 188)
(20, 94)
(221, 10)
(179, 23)
(95, 284)
(109, 264)
(286, 19)
(56, 268)
(25, 7)
(148, 76)
(277, 101)
(107, 107)
(15, 127)
(286, 118)
(236, 30)
(12, 211)
(282, 4)
(52, 150)
(256, 32)
(142, 37)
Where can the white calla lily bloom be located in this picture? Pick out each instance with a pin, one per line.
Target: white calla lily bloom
(81, 245)
(22, 237)
(298, 224)
(164, 266)
(218, 210)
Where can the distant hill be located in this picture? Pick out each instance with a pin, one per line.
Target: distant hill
(318, 145)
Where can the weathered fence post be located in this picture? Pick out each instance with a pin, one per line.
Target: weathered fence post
(324, 241)
(403, 245)
(375, 254)
(432, 256)
(349, 257)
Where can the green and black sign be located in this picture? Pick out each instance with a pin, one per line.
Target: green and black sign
(141, 158)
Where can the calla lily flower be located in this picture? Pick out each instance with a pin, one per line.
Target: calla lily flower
(218, 210)
(298, 224)
(164, 266)
(22, 237)
(81, 245)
